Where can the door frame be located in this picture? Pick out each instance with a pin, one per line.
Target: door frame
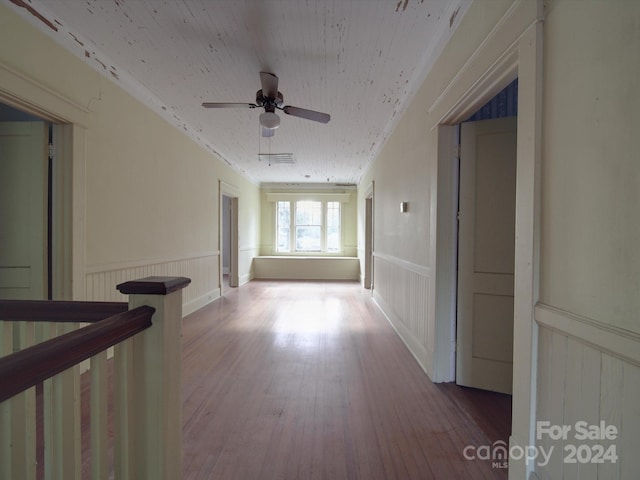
(69, 120)
(368, 237)
(512, 49)
(227, 190)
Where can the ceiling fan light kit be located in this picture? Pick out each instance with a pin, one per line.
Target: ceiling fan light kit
(271, 99)
(269, 120)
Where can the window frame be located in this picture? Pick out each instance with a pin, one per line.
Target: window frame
(293, 205)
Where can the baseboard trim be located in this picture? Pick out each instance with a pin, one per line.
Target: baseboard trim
(201, 301)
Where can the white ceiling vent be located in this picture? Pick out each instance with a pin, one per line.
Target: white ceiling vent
(277, 158)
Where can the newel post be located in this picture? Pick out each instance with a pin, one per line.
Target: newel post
(155, 424)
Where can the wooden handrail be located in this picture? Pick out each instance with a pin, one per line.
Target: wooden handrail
(58, 311)
(26, 368)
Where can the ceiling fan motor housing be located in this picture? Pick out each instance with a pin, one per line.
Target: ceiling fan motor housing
(270, 104)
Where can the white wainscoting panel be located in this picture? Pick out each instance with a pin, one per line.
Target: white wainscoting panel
(587, 372)
(402, 290)
(101, 281)
(306, 268)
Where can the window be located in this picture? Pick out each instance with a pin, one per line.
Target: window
(309, 226)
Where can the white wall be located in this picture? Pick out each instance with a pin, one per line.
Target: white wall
(590, 237)
(591, 174)
(146, 195)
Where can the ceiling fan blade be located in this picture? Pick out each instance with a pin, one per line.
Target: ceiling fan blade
(268, 132)
(228, 105)
(269, 84)
(308, 114)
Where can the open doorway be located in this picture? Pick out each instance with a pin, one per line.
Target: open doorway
(68, 134)
(491, 409)
(226, 240)
(513, 49)
(228, 214)
(368, 239)
(474, 353)
(486, 245)
(26, 205)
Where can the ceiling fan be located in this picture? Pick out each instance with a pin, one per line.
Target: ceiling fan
(271, 99)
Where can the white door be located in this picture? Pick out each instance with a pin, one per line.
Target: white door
(484, 354)
(23, 210)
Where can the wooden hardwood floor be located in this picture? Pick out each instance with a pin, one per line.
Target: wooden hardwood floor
(303, 380)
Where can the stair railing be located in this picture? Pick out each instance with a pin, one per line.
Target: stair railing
(44, 343)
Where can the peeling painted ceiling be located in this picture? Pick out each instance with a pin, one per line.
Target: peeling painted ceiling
(361, 61)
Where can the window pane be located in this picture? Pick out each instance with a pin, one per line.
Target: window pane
(308, 239)
(308, 212)
(283, 215)
(333, 226)
(308, 226)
